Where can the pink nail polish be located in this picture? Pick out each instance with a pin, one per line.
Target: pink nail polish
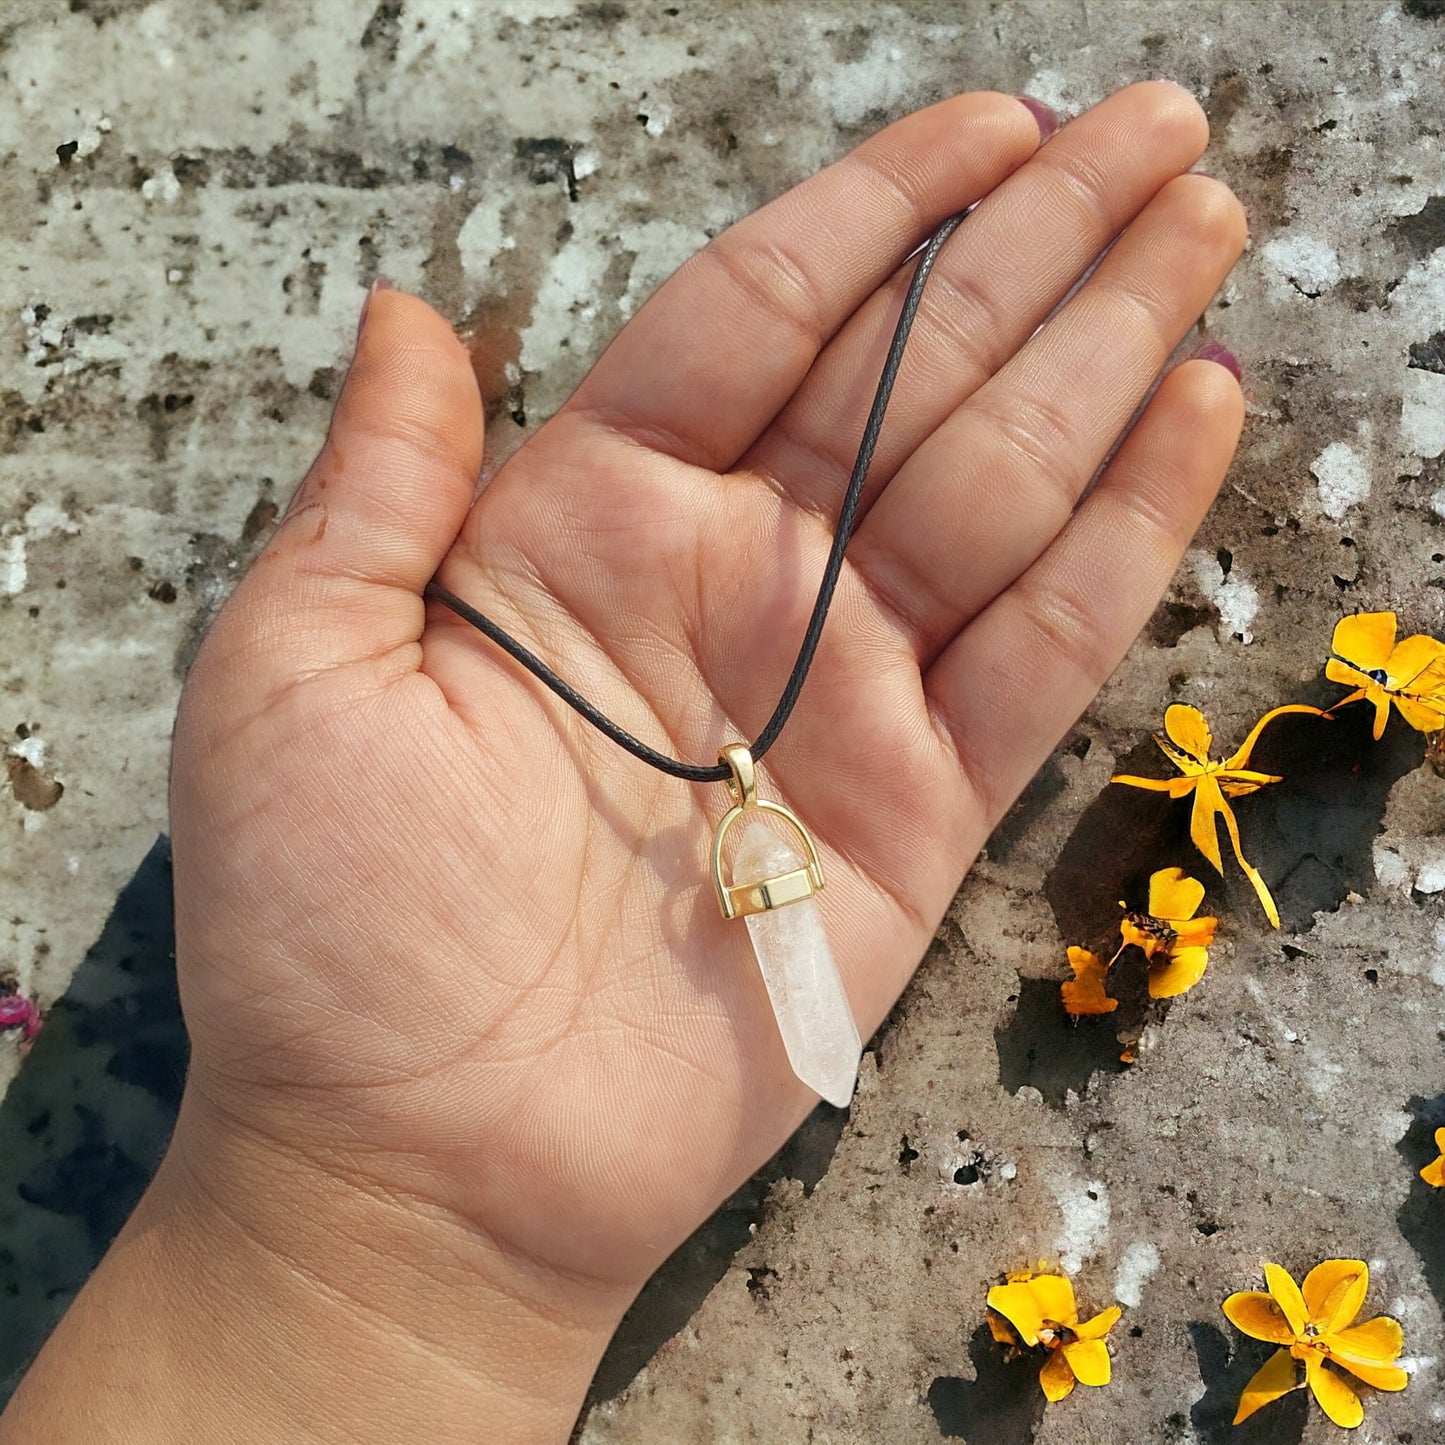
(380, 284)
(1212, 350)
(1046, 116)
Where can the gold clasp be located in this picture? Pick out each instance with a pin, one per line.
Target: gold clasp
(738, 900)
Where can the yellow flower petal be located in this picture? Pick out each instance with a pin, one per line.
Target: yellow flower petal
(1415, 665)
(1336, 1398)
(1194, 932)
(1434, 1173)
(1250, 872)
(1183, 970)
(1203, 829)
(1366, 639)
(1019, 1306)
(1278, 1376)
(1259, 1316)
(1288, 1297)
(1100, 1325)
(1089, 1360)
(1000, 1328)
(1240, 782)
(1380, 1377)
(1188, 731)
(1130, 932)
(1423, 716)
(1174, 895)
(1084, 993)
(1175, 787)
(1056, 1377)
(1381, 700)
(1055, 1296)
(1376, 1342)
(1334, 1291)
(1240, 757)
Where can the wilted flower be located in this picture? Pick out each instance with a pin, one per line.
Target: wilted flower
(1175, 942)
(1038, 1311)
(1187, 746)
(1316, 1325)
(1411, 674)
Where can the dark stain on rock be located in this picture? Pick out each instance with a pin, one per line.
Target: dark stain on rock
(1429, 355)
(33, 788)
(260, 521)
(1001, 1405)
(1227, 93)
(1262, 185)
(1172, 620)
(1419, 1217)
(84, 1124)
(549, 160)
(96, 1181)
(1226, 1365)
(675, 1293)
(1422, 233)
(1425, 9)
(383, 30)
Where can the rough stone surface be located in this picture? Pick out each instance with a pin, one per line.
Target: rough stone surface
(194, 198)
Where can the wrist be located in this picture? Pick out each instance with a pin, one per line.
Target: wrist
(257, 1297)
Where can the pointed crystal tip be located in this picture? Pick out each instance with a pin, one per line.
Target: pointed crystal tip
(802, 979)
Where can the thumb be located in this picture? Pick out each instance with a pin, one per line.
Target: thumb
(341, 579)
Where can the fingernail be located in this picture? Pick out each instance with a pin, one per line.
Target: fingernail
(1212, 351)
(380, 284)
(1047, 116)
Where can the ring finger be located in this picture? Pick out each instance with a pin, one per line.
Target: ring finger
(991, 488)
(1009, 266)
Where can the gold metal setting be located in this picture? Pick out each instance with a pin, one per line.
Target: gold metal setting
(738, 900)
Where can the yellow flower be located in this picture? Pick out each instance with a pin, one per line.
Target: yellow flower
(1084, 993)
(1175, 942)
(1411, 674)
(1315, 1325)
(1041, 1310)
(1187, 747)
(1433, 1173)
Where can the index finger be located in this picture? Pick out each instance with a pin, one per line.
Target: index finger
(716, 352)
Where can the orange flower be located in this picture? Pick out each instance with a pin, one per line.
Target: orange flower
(1433, 1173)
(1411, 674)
(1084, 993)
(1175, 942)
(1315, 1325)
(1187, 747)
(1038, 1311)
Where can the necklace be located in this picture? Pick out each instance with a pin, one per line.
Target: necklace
(773, 886)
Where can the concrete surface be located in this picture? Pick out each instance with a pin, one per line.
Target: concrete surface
(194, 198)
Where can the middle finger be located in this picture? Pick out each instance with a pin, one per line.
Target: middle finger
(1003, 273)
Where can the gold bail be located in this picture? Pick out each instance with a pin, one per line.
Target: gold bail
(738, 900)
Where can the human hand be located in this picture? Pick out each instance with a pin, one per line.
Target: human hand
(446, 950)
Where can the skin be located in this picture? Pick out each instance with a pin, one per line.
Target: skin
(473, 1050)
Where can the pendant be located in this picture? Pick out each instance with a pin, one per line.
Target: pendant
(773, 889)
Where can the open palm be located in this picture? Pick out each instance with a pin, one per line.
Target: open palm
(432, 923)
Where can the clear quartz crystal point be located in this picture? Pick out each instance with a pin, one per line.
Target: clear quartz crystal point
(802, 979)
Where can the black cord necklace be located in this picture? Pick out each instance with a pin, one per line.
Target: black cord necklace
(773, 886)
(847, 515)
